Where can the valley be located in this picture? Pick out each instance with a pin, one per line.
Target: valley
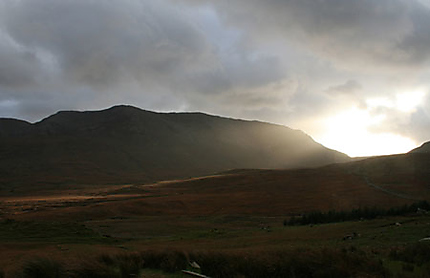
(126, 192)
(234, 212)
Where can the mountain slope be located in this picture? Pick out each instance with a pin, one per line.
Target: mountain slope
(424, 148)
(382, 182)
(127, 144)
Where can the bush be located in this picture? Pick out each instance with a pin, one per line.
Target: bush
(169, 261)
(408, 267)
(216, 265)
(119, 266)
(151, 259)
(95, 269)
(299, 263)
(350, 262)
(174, 261)
(418, 253)
(42, 268)
(129, 264)
(318, 217)
(107, 259)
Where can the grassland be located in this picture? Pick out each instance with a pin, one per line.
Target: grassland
(223, 239)
(231, 224)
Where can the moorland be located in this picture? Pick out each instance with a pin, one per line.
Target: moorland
(130, 193)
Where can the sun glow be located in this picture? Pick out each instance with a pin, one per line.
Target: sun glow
(409, 101)
(405, 102)
(348, 132)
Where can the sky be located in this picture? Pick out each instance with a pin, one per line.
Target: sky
(354, 75)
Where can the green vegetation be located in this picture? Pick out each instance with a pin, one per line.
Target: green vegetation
(42, 267)
(121, 266)
(246, 247)
(418, 254)
(318, 217)
(324, 262)
(47, 231)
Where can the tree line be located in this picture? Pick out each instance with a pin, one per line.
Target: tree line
(332, 216)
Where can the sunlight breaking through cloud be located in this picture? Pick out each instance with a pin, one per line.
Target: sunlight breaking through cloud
(349, 132)
(290, 62)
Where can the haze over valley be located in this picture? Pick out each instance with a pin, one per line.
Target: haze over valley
(127, 144)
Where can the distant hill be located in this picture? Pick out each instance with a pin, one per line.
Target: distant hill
(127, 144)
(424, 148)
(383, 182)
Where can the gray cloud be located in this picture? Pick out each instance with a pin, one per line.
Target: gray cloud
(416, 123)
(100, 43)
(242, 73)
(417, 42)
(349, 91)
(284, 61)
(350, 87)
(120, 51)
(19, 67)
(385, 33)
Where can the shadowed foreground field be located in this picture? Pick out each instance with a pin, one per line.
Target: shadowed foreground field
(223, 246)
(231, 225)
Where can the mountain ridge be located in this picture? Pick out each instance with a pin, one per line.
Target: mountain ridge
(424, 148)
(128, 144)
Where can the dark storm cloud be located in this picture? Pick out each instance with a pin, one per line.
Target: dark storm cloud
(385, 32)
(100, 43)
(14, 68)
(383, 43)
(284, 61)
(418, 125)
(150, 53)
(349, 91)
(417, 42)
(239, 72)
(19, 67)
(350, 87)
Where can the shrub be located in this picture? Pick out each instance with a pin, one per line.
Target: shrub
(106, 259)
(95, 269)
(174, 261)
(299, 263)
(169, 261)
(129, 264)
(216, 265)
(42, 268)
(418, 253)
(408, 267)
(346, 262)
(151, 259)
(318, 217)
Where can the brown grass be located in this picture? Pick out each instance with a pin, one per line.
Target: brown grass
(240, 211)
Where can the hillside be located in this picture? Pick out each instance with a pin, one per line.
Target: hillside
(127, 144)
(424, 148)
(238, 210)
(383, 182)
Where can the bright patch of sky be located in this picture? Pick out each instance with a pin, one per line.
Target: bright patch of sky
(352, 74)
(349, 132)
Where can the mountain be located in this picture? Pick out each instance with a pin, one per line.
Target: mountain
(127, 144)
(383, 182)
(424, 148)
